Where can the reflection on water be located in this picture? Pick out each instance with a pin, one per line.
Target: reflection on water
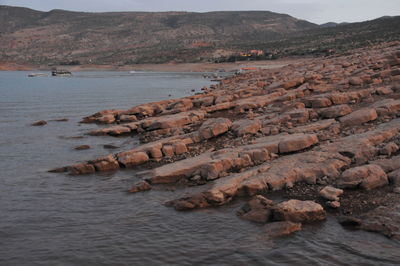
(54, 219)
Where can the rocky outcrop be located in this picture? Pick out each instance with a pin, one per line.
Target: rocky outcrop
(299, 211)
(332, 122)
(366, 176)
(384, 220)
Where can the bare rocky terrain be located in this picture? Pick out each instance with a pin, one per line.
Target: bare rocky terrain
(58, 36)
(323, 133)
(33, 39)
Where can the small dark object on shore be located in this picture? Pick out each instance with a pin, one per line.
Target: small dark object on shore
(82, 147)
(39, 123)
(61, 120)
(109, 146)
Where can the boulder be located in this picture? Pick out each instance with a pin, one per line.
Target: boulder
(359, 117)
(367, 177)
(355, 81)
(245, 126)
(297, 142)
(389, 149)
(141, 186)
(388, 165)
(132, 158)
(258, 209)
(335, 111)
(299, 211)
(284, 228)
(106, 163)
(331, 193)
(384, 220)
(81, 169)
(214, 127)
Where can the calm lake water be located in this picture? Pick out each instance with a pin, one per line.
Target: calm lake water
(56, 219)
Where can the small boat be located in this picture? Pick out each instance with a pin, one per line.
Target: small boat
(32, 75)
(61, 73)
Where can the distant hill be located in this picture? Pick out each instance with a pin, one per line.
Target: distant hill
(121, 38)
(132, 37)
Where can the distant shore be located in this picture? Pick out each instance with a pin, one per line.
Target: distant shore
(168, 67)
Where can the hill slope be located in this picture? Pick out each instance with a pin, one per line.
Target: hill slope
(49, 37)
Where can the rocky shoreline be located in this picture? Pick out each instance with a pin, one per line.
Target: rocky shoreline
(324, 133)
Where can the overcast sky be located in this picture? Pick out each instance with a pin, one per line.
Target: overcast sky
(317, 11)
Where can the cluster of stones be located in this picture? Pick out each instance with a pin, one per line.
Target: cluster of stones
(330, 121)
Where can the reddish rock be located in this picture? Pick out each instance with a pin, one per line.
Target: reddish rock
(141, 186)
(367, 177)
(331, 193)
(355, 81)
(359, 117)
(245, 126)
(106, 163)
(388, 165)
(106, 119)
(179, 148)
(214, 127)
(299, 211)
(297, 142)
(319, 102)
(128, 118)
(258, 209)
(168, 150)
(278, 229)
(335, 111)
(132, 158)
(389, 149)
(81, 169)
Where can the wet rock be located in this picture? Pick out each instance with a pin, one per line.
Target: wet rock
(39, 123)
(82, 147)
(299, 211)
(331, 193)
(128, 118)
(141, 186)
(61, 120)
(359, 117)
(335, 111)
(383, 220)
(258, 209)
(367, 177)
(81, 169)
(245, 126)
(106, 163)
(278, 229)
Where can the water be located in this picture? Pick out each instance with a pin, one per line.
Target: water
(55, 219)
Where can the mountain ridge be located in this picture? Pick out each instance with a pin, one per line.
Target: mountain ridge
(124, 38)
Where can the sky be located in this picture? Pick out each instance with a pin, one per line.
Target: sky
(317, 11)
